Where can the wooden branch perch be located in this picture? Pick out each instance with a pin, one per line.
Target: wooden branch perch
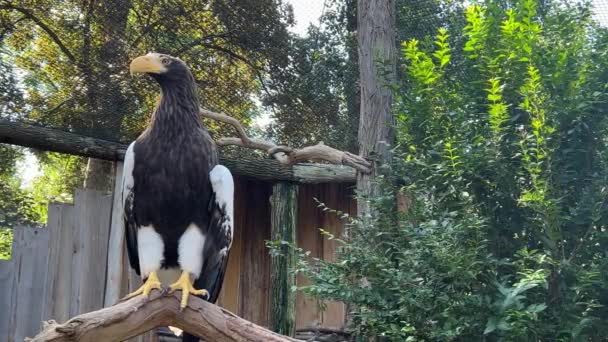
(287, 155)
(139, 315)
(49, 139)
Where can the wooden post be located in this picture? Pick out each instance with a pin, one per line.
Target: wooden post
(29, 254)
(284, 213)
(116, 243)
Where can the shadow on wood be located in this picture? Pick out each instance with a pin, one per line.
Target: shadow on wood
(139, 315)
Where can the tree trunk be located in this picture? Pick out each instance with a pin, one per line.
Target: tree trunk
(376, 37)
(284, 213)
(352, 93)
(99, 174)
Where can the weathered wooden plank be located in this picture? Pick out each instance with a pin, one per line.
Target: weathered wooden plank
(93, 209)
(22, 134)
(284, 215)
(271, 170)
(311, 218)
(116, 242)
(255, 261)
(29, 253)
(58, 288)
(335, 197)
(322, 173)
(6, 298)
(307, 309)
(76, 262)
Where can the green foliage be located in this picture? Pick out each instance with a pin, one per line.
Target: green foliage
(6, 240)
(60, 175)
(313, 97)
(16, 205)
(501, 149)
(11, 98)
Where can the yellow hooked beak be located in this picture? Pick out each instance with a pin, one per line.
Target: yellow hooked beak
(150, 63)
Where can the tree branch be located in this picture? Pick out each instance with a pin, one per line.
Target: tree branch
(55, 140)
(139, 315)
(44, 27)
(229, 120)
(287, 155)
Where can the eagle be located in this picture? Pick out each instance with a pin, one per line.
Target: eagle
(177, 198)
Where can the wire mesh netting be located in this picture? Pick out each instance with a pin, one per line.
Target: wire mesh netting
(70, 58)
(600, 11)
(64, 64)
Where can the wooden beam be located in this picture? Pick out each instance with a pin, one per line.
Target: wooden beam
(284, 214)
(138, 315)
(48, 139)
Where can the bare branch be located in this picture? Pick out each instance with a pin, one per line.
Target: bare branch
(229, 120)
(139, 315)
(26, 13)
(287, 155)
(256, 144)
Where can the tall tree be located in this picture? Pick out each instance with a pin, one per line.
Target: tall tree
(377, 58)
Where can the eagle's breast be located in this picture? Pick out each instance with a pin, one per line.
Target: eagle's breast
(172, 185)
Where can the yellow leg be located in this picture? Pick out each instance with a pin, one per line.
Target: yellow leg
(184, 283)
(151, 283)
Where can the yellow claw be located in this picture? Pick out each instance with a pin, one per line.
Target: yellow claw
(184, 283)
(151, 283)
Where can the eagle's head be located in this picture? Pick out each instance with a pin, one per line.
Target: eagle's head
(165, 69)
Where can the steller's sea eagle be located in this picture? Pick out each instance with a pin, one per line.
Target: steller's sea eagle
(178, 201)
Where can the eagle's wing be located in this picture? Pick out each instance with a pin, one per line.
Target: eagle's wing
(221, 229)
(128, 196)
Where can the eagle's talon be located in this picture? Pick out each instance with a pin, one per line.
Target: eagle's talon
(184, 283)
(151, 283)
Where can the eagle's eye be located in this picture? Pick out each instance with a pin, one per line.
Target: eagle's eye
(166, 61)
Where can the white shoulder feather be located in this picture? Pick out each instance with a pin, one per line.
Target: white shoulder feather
(223, 187)
(127, 173)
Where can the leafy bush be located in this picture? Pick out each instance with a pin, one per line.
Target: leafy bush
(502, 153)
(16, 205)
(61, 175)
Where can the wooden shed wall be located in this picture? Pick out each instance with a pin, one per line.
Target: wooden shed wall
(310, 219)
(246, 286)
